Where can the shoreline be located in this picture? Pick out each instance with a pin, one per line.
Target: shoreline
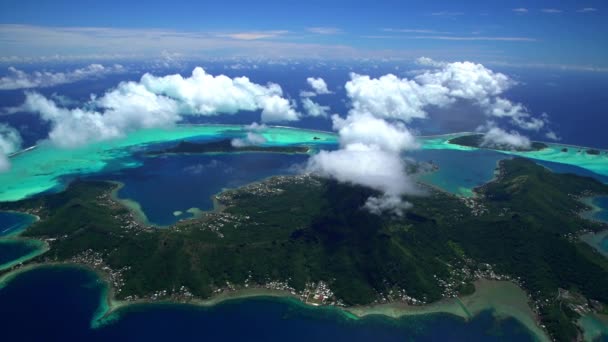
(488, 295)
(40, 246)
(335, 134)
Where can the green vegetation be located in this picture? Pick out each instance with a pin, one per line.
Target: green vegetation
(299, 230)
(225, 146)
(476, 140)
(593, 152)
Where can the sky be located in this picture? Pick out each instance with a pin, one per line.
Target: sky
(566, 34)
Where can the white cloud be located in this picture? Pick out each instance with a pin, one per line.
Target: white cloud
(497, 137)
(551, 10)
(256, 127)
(447, 14)
(158, 102)
(466, 80)
(476, 38)
(399, 30)
(27, 42)
(127, 108)
(318, 85)
(370, 146)
(254, 35)
(393, 98)
(359, 128)
(276, 109)
(324, 30)
(18, 79)
(363, 165)
(10, 142)
(587, 10)
(386, 203)
(429, 62)
(374, 132)
(520, 10)
(503, 108)
(314, 109)
(250, 139)
(552, 136)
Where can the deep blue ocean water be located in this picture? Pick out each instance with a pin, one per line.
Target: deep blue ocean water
(13, 223)
(14, 249)
(57, 304)
(163, 185)
(602, 203)
(170, 183)
(602, 215)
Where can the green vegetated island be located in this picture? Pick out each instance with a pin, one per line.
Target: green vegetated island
(308, 237)
(477, 141)
(226, 146)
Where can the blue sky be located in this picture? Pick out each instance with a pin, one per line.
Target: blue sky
(565, 33)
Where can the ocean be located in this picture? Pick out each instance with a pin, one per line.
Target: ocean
(58, 303)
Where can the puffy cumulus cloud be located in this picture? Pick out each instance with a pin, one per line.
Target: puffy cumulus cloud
(466, 80)
(518, 113)
(156, 102)
(369, 155)
(10, 142)
(276, 109)
(497, 137)
(318, 85)
(393, 98)
(18, 79)
(127, 108)
(205, 94)
(250, 139)
(429, 62)
(373, 132)
(364, 165)
(314, 109)
(442, 85)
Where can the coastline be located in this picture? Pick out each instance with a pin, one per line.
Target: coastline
(40, 246)
(504, 298)
(432, 136)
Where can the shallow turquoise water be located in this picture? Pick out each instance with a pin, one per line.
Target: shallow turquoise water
(459, 171)
(46, 167)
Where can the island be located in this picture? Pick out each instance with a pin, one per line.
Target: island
(307, 237)
(226, 146)
(476, 140)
